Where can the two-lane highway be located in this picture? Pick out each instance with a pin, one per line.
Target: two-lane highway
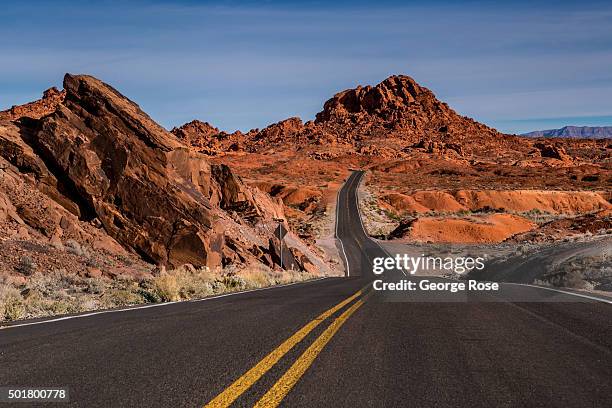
(357, 247)
(324, 343)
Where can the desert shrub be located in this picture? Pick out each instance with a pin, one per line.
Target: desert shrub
(193, 283)
(90, 304)
(149, 296)
(11, 303)
(257, 277)
(234, 282)
(218, 287)
(61, 307)
(46, 284)
(68, 280)
(60, 292)
(166, 287)
(126, 260)
(92, 262)
(122, 297)
(392, 215)
(26, 266)
(13, 309)
(195, 286)
(95, 286)
(38, 305)
(74, 247)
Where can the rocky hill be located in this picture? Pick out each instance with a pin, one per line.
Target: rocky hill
(362, 120)
(51, 98)
(582, 132)
(410, 142)
(96, 199)
(400, 106)
(88, 165)
(396, 119)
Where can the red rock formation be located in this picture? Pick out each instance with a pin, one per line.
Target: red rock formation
(207, 139)
(409, 140)
(388, 100)
(281, 130)
(195, 131)
(405, 114)
(397, 110)
(103, 159)
(553, 152)
(37, 109)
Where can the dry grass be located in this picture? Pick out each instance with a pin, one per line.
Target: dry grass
(59, 293)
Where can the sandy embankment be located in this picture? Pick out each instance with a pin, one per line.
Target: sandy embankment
(449, 219)
(485, 229)
(326, 239)
(553, 202)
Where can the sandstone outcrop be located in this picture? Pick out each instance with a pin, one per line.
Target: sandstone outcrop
(551, 202)
(387, 100)
(51, 98)
(485, 229)
(553, 152)
(411, 142)
(205, 138)
(96, 158)
(382, 120)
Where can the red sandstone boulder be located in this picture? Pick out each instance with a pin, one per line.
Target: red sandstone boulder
(47, 104)
(553, 152)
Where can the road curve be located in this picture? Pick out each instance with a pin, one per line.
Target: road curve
(324, 343)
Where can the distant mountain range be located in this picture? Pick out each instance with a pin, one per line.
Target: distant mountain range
(586, 132)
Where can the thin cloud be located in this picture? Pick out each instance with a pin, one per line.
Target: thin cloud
(245, 65)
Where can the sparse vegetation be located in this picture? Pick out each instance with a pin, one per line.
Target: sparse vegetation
(59, 292)
(26, 266)
(74, 247)
(377, 221)
(11, 305)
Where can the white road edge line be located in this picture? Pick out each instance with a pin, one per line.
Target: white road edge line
(154, 305)
(195, 300)
(560, 291)
(357, 202)
(348, 269)
(363, 227)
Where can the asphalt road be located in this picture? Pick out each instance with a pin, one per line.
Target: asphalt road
(327, 344)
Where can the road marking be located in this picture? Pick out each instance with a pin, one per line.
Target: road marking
(11, 326)
(231, 393)
(283, 386)
(357, 202)
(362, 226)
(560, 291)
(348, 269)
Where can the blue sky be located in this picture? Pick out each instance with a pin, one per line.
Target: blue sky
(240, 65)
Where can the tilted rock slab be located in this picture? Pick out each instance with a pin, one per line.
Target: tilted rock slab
(150, 192)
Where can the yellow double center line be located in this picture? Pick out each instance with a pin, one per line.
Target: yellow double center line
(282, 387)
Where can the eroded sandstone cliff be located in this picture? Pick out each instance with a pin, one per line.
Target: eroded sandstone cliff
(100, 160)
